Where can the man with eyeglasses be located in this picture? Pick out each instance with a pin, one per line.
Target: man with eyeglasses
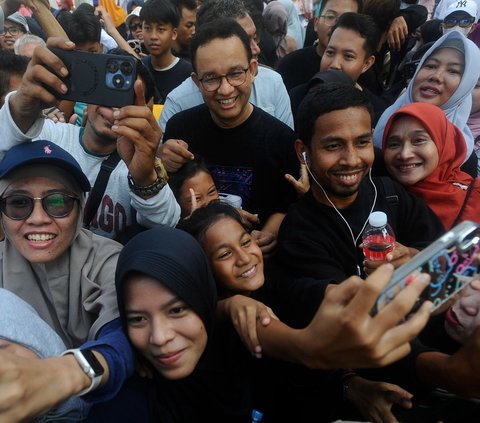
(461, 16)
(268, 90)
(15, 26)
(299, 66)
(247, 150)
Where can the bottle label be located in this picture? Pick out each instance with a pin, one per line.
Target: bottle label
(376, 247)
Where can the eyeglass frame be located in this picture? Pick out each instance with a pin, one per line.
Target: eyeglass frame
(9, 29)
(219, 79)
(337, 17)
(41, 199)
(470, 21)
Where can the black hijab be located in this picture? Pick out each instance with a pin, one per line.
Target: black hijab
(219, 389)
(177, 260)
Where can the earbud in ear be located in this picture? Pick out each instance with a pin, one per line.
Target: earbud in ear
(304, 154)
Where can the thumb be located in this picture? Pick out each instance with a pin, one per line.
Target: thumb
(73, 118)
(193, 198)
(400, 397)
(139, 93)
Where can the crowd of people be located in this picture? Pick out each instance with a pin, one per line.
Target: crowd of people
(196, 255)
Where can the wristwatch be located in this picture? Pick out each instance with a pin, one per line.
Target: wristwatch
(90, 365)
(155, 187)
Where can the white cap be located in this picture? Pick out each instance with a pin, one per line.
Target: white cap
(467, 6)
(135, 12)
(19, 19)
(377, 219)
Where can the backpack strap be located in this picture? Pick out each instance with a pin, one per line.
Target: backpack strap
(96, 193)
(390, 193)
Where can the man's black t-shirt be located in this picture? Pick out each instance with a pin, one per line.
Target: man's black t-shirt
(249, 160)
(299, 66)
(314, 241)
(169, 79)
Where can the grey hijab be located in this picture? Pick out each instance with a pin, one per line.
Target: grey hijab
(74, 294)
(458, 107)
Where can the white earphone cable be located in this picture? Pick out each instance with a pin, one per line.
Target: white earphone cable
(354, 239)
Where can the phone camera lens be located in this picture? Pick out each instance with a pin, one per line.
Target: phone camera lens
(118, 81)
(126, 68)
(112, 66)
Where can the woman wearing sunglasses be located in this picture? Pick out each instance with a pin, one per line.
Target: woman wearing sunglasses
(66, 274)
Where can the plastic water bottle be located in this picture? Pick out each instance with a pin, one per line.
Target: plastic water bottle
(257, 416)
(378, 237)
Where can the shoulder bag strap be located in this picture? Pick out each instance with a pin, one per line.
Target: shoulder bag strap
(98, 189)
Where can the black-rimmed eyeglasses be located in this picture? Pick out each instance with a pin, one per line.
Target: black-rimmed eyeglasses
(234, 78)
(12, 30)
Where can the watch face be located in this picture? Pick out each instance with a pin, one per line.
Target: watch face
(94, 363)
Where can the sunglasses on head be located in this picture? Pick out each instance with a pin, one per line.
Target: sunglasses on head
(20, 206)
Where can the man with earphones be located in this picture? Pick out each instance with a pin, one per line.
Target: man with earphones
(321, 235)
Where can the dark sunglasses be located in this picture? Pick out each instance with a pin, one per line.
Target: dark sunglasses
(20, 206)
(134, 27)
(462, 23)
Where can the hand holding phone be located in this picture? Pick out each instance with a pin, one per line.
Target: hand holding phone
(102, 79)
(450, 261)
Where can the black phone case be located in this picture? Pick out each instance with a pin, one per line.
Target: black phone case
(91, 78)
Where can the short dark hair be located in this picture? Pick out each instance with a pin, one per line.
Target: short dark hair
(204, 217)
(325, 98)
(142, 71)
(383, 12)
(82, 26)
(211, 10)
(184, 4)
(221, 28)
(324, 3)
(10, 64)
(160, 12)
(187, 171)
(363, 24)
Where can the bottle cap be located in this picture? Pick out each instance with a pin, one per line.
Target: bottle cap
(377, 219)
(257, 415)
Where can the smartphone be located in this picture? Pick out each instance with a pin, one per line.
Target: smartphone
(103, 79)
(450, 261)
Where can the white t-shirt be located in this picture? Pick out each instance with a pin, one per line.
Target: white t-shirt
(118, 205)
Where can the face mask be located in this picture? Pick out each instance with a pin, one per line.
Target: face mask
(464, 31)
